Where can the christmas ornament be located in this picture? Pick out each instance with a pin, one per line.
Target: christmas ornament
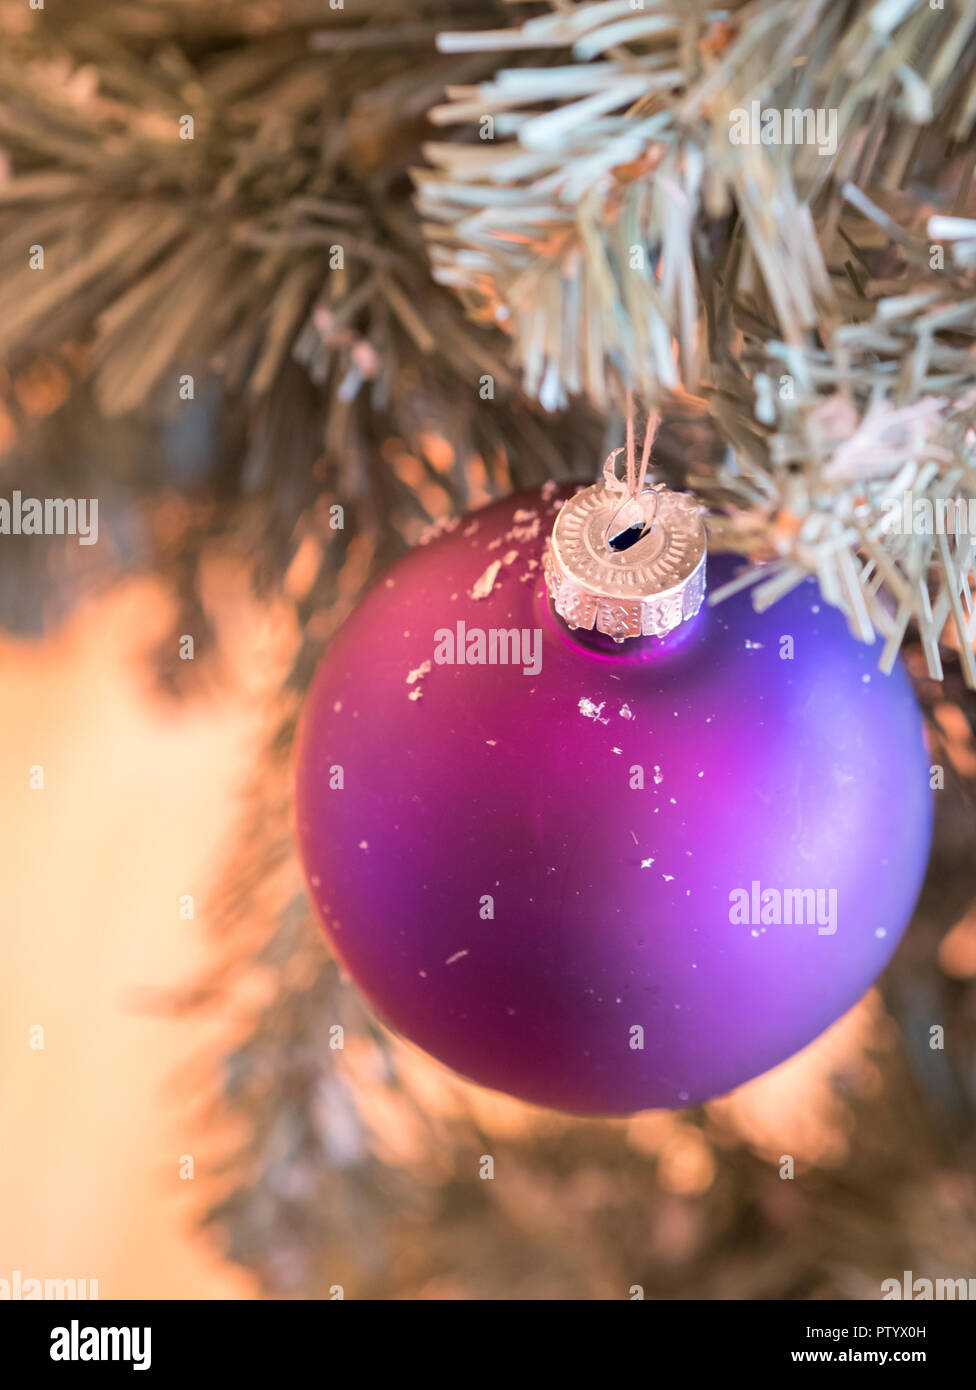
(588, 840)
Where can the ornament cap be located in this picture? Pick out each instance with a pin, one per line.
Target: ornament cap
(644, 585)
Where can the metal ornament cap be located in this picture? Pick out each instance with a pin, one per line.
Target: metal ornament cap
(646, 590)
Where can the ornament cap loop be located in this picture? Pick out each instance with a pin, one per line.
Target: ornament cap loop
(643, 589)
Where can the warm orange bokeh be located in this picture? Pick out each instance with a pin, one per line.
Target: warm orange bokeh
(135, 812)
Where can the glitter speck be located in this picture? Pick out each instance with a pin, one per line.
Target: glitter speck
(591, 711)
(484, 584)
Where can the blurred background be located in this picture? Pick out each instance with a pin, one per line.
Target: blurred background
(186, 1131)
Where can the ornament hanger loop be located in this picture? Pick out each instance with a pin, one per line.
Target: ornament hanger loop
(647, 503)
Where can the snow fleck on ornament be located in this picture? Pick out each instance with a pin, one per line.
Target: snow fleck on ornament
(506, 917)
(484, 584)
(591, 711)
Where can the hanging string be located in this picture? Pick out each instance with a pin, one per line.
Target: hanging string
(650, 434)
(631, 475)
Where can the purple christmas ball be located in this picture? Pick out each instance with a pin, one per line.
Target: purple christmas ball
(605, 877)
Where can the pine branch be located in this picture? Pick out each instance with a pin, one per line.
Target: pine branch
(614, 227)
